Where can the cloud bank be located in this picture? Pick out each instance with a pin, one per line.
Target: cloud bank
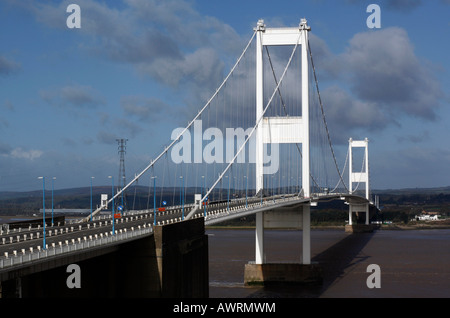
(377, 80)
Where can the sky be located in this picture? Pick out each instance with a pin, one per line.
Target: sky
(137, 69)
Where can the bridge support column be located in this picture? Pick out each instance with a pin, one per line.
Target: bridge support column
(262, 273)
(362, 212)
(306, 254)
(358, 208)
(170, 263)
(259, 236)
(181, 252)
(275, 130)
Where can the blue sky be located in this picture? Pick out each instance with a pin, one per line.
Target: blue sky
(138, 69)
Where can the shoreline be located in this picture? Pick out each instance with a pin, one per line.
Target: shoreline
(389, 227)
(400, 227)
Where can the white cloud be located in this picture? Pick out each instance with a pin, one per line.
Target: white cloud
(346, 114)
(6, 151)
(8, 66)
(143, 107)
(72, 96)
(107, 137)
(375, 82)
(152, 35)
(19, 153)
(169, 42)
(382, 67)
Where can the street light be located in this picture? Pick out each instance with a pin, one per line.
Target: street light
(261, 192)
(273, 187)
(43, 205)
(123, 179)
(246, 190)
(91, 196)
(54, 178)
(228, 197)
(291, 185)
(154, 200)
(203, 186)
(112, 208)
(182, 197)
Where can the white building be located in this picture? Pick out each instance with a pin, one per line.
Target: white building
(428, 216)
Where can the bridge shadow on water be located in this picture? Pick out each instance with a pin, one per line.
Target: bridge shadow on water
(334, 261)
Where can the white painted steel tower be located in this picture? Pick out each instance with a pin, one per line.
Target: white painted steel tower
(283, 130)
(278, 129)
(359, 177)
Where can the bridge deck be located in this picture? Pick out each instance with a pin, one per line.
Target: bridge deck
(25, 245)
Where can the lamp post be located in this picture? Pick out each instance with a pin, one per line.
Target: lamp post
(91, 196)
(261, 194)
(228, 195)
(112, 207)
(43, 206)
(235, 185)
(123, 179)
(246, 191)
(290, 185)
(182, 196)
(53, 179)
(203, 186)
(273, 187)
(154, 200)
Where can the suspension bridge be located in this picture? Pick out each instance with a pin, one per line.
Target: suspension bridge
(259, 145)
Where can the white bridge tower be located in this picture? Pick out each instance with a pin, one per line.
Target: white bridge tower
(359, 177)
(278, 130)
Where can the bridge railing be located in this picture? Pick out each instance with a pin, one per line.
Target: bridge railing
(248, 205)
(24, 256)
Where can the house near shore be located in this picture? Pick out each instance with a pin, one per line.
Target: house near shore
(427, 216)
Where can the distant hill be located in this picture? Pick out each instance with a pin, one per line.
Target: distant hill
(6, 195)
(408, 191)
(141, 197)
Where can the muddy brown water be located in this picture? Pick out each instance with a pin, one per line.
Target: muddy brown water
(413, 263)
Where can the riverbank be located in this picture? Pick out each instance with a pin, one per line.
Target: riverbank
(429, 225)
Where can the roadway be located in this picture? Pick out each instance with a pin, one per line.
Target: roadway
(31, 239)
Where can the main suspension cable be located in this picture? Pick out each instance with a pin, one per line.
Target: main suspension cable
(182, 133)
(254, 128)
(285, 111)
(323, 117)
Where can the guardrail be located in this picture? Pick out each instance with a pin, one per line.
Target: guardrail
(222, 209)
(22, 257)
(255, 204)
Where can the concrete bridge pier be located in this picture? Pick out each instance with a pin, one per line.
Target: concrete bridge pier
(361, 211)
(262, 273)
(182, 258)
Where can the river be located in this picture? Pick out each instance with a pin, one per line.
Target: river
(413, 263)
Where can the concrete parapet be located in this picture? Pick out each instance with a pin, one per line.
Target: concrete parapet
(282, 273)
